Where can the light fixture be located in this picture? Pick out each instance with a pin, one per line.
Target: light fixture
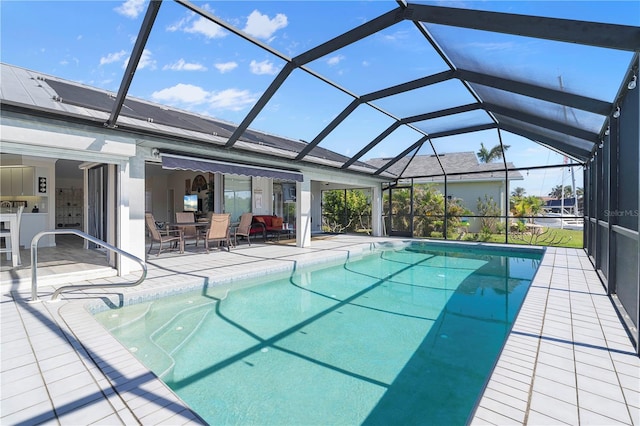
(632, 83)
(616, 113)
(606, 132)
(601, 145)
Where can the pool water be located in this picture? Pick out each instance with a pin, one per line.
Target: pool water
(402, 336)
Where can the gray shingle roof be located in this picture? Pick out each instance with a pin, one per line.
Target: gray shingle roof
(455, 163)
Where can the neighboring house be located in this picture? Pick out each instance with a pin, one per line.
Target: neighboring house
(467, 179)
(85, 174)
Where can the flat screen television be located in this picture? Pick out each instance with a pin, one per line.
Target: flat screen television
(190, 203)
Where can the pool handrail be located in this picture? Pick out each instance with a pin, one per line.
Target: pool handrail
(34, 264)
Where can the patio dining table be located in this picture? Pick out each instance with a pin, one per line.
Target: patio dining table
(178, 225)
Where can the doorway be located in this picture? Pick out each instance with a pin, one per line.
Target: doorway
(97, 191)
(399, 205)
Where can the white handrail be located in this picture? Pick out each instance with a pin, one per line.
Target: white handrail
(34, 264)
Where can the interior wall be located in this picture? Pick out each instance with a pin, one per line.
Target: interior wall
(156, 187)
(177, 181)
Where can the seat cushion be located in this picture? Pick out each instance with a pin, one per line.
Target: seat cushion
(276, 223)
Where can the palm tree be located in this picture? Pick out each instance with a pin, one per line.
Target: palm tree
(559, 192)
(528, 206)
(518, 192)
(488, 155)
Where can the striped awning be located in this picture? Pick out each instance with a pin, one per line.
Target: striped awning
(178, 162)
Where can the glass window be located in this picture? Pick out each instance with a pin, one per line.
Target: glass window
(237, 196)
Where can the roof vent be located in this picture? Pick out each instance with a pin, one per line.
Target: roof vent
(149, 120)
(40, 78)
(57, 98)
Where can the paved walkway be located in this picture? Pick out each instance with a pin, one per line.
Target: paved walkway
(568, 359)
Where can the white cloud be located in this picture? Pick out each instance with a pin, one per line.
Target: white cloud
(112, 57)
(73, 59)
(226, 66)
(182, 65)
(182, 93)
(232, 99)
(206, 28)
(264, 67)
(335, 60)
(131, 8)
(396, 36)
(261, 26)
(188, 95)
(146, 61)
(194, 24)
(491, 46)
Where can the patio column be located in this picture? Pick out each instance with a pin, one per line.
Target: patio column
(376, 211)
(303, 213)
(130, 209)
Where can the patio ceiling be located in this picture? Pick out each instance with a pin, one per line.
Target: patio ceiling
(514, 93)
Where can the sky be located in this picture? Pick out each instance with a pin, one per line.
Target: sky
(195, 65)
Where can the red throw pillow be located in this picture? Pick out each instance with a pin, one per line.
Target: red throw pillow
(258, 219)
(276, 222)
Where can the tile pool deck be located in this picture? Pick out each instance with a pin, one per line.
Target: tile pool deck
(568, 359)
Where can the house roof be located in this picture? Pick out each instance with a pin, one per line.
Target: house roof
(28, 89)
(458, 166)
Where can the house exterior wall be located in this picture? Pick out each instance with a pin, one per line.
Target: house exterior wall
(47, 140)
(470, 191)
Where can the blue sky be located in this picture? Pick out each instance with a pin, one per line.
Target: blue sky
(195, 65)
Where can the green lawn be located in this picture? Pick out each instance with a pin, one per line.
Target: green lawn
(549, 237)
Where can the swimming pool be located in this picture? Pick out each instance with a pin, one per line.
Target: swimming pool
(405, 335)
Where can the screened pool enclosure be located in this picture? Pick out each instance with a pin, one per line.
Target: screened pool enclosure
(509, 122)
(483, 121)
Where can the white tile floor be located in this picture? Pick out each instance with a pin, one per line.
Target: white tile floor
(568, 359)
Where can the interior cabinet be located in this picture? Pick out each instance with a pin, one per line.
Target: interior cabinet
(69, 208)
(28, 180)
(17, 181)
(5, 181)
